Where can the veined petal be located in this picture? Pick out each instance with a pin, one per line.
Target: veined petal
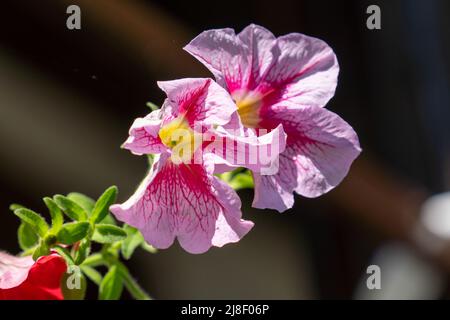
(304, 72)
(143, 135)
(187, 202)
(320, 150)
(260, 44)
(199, 100)
(257, 152)
(224, 54)
(230, 227)
(276, 191)
(296, 68)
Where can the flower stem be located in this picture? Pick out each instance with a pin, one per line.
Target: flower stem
(94, 260)
(132, 286)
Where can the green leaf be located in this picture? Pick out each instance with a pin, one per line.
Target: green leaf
(73, 210)
(238, 179)
(101, 208)
(109, 220)
(92, 274)
(242, 181)
(13, 207)
(112, 285)
(148, 247)
(55, 213)
(41, 250)
(36, 222)
(70, 208)
(73, 232)
(83, 251)
(63, 252)
(134, 239)
(82, 200)
(152, 106)
(106, 233)
(26, 236)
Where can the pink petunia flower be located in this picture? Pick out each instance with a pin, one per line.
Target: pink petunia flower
(286, 80)
(181, 198)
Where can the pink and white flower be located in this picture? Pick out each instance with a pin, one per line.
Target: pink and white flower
(284, 81)
(181, 198)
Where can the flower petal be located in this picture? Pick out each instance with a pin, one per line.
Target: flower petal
(276, 191)
(144, 137)
(43, 281)
(224, 54)
(259, 153)
(320, 150)
(199, 100)
(304, 72)
(184, 201)
(260, 43)
(296, 68)
(13, 270)
(230, 228)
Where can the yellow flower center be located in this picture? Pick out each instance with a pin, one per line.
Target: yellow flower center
(181, 139)
(248, 105)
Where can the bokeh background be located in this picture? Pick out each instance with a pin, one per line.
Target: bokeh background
(67, 99)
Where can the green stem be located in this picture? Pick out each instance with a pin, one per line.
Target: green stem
(132, 286)
(94, 260)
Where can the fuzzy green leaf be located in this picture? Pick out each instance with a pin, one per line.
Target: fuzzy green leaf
(242, 181)
(55, 213)
(35, 220)
(73, 210)
(63, 252)
(13, 207)
(238, 179)
(106, 233)
(83, 251)
(26, 236)
(112, 285)
(109, 220)
(92, 274)
(73, 232)
(101, 208)
(41, 250)
(82, 200)
(133, 240)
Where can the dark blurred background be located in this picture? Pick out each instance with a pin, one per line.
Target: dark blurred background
(68, 97)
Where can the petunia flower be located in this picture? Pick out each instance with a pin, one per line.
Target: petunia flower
(286, 80)
(180, 197)
(21, 278)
